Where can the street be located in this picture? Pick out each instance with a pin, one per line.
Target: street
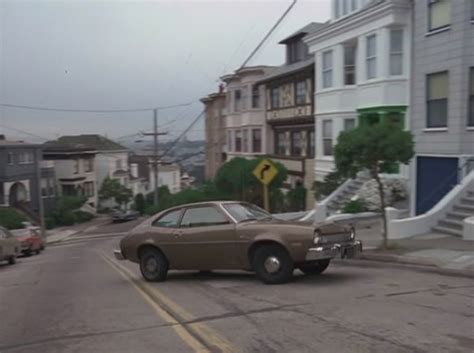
(76, 298)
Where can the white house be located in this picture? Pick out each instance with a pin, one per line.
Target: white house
(362, 58)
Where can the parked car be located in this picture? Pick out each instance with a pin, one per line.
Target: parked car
(30, 240)
(124, 216)
(9, 246)
(234, 235)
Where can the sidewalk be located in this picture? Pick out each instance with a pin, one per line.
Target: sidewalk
(60, 234)
(447, 253)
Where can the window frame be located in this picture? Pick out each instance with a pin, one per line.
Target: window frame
(327, 71)
(347, 120)
(393, 53)
(370, 59)
(255, 97)
(431, 3)
(254, 150)
(283, 143)
(292, 143)
(221, 212)
(325, 138)
(428, 100)
(245, 140)
(237, 101)
(275, 98)
(10, 158)
(310, 143)
(238, 140)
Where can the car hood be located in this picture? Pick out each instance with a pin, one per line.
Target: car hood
(328, 226)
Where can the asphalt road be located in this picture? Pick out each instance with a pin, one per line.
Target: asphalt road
(75, 298)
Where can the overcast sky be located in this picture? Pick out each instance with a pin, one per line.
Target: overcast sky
(129, 54)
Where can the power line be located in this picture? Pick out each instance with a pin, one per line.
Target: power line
(23, 132)
(93, 110)
(269, 33)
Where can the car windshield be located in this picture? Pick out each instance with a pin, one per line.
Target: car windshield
(246, 212)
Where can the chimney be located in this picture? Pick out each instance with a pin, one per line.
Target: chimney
(221, 88)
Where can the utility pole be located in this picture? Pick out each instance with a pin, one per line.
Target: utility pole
(156, 157)
(38, 159)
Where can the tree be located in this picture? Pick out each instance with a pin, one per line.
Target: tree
(140, 203)
(375, 148)
(236, 179)
(112, 189)
(296, 199)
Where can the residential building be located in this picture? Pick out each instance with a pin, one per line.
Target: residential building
(215, 132)
(19, 176)
(246, 131)
(362, 59)
(442, 98)
(75, 169)
(289, 105)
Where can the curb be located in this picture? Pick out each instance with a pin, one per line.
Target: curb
(415, 263)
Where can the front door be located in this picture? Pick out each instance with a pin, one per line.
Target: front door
(206, 239)
(435, 177)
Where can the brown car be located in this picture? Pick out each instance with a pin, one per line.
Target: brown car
(234, 235)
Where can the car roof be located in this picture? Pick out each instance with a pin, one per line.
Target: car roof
(204, 203)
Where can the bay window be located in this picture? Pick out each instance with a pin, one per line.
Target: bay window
(327, 69)
(327, 137)
(238, 141)
(371, 56)
(296, 143)
(256, 140)
(396, 52)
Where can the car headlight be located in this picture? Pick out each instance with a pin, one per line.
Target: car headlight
(353, 233)
(317, 238)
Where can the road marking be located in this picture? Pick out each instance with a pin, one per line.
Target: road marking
(177, 327)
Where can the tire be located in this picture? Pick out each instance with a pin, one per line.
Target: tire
(153, 265)
(12, 260)
(27, 252)
(268, 256)
(38, 251)
(314, 268)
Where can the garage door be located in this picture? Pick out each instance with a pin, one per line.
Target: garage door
(435, 177)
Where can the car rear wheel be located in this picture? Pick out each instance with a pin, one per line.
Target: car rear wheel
(153, 265)
(315, 268)
(272, 264)
(12, 260)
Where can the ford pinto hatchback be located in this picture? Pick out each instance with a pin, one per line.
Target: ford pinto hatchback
(232, 235)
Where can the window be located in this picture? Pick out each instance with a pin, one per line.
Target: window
(202, 217)
(349, 124)
(76, 166)
(349, 64)
(327, 137)
(229, 141)
(301, 92)
(89, 165)
(44, 187)
(118, 164)
(89, 188)
(237, 100)
(25, 158)
(396, 52)
(296, 51)
(255, 97)
(169, 220)
(280, 143)
(439, 14)
(472, 10)
(471, 99)
(256, 140)
(437, 100)
(245, 140)
(296, 143)
(371, 56)
(275, 95)
(238, 141)
(327, 69)
(10, 158)
(310, 144)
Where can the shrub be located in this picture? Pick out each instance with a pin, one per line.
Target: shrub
(11, 219)
(354, 206)
(81, 216)
(140, 203)
(66, 219)
(49, 222)
(330, 183)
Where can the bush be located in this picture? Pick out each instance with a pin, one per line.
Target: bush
(140, 203)
(354, 206)
(66, 219)
(330, 183)
(81, 216)
(296, 199)
(49, 222)
(11, 219)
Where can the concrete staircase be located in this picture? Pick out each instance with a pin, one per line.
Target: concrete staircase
(338, 202)
(452, 223)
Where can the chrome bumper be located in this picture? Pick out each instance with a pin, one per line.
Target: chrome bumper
(344, 250)
(118, 255)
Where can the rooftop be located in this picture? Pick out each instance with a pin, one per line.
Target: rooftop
(308, 29)
(83, 143)
(285, 69)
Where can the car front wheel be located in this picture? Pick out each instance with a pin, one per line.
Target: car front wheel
(153, 265)
(273, 264)
(12, 260)
(314, 268)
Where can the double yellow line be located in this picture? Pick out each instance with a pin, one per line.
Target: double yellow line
(199, 336)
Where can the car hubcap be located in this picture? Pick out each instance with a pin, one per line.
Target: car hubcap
(151, 265)
(272, 264)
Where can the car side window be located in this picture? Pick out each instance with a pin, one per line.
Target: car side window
(169, 220)
(202, 217)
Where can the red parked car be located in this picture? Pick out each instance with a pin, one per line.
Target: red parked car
(30, 240)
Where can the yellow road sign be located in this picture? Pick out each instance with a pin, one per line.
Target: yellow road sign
(265, 171)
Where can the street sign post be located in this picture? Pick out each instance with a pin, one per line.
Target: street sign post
(265, 172)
